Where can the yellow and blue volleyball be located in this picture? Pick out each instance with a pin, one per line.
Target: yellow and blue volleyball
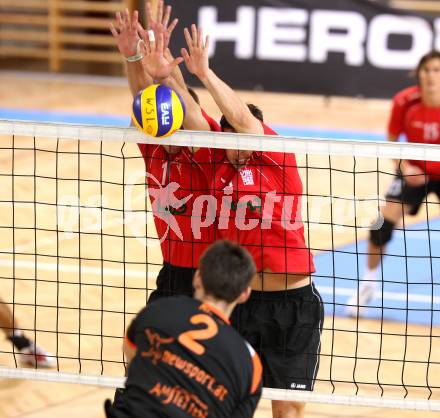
(158, 110)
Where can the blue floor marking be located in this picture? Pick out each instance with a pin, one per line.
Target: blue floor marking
(121, 120)
(422, 287)
(346, 262)
(327, 133)
(65, 117)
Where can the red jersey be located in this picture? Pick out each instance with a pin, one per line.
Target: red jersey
(174, 183)
(259, 207)
(419, 123)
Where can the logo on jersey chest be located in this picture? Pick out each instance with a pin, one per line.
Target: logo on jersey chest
(247, 176)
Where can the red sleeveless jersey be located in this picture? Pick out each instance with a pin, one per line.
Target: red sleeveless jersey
(419, 124)
(259, 207)
(174, 182)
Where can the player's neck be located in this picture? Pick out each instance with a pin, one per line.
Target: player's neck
(224, 307)
(431, 99)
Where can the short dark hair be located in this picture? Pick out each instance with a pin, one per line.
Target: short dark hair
(193, 94)
(427, 57)
(255, 110)
(226, 270)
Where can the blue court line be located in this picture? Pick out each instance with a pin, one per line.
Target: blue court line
(66, 117)
(410, 286)
(124, 120)
(328, 133)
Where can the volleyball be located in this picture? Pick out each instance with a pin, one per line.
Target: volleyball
(158, 111)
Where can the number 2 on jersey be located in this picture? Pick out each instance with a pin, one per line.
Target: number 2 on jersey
(189, 339)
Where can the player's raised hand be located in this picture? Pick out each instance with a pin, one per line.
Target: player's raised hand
(125, 31)
(156, 63)
(196, 57)
(160, 24)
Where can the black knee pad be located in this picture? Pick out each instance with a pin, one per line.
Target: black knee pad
(380, 237)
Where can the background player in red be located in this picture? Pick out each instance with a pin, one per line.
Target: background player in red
(185, 358)
(167, 164)
(416, 114)
(283, 317)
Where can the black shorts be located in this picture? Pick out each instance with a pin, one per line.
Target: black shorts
(399, 191)
(173, 281)
(285, 329)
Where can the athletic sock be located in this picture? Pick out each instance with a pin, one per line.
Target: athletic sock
(370, 276)
(19, 340)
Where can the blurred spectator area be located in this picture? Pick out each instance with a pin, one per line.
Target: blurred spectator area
(73, 35)
(60, 35)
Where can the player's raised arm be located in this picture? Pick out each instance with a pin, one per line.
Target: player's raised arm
(414, 175)
(130, 45)
(196, 59)
(161, 64)
(155, 61)
(160, 25)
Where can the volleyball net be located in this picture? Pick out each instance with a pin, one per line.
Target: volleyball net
(79, 256)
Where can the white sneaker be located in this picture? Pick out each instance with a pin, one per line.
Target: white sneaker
(355, 307)
(34, 356)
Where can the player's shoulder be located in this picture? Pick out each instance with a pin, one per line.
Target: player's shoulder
(152, 151)
(267, 130)
(213, 124)
(407, 96)
(209, 156)
(237, 351)
(232, 341)
(277, 161)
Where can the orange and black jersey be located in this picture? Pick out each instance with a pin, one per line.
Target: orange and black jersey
(189, 362)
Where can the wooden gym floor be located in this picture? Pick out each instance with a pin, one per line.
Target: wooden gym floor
(36, 399)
